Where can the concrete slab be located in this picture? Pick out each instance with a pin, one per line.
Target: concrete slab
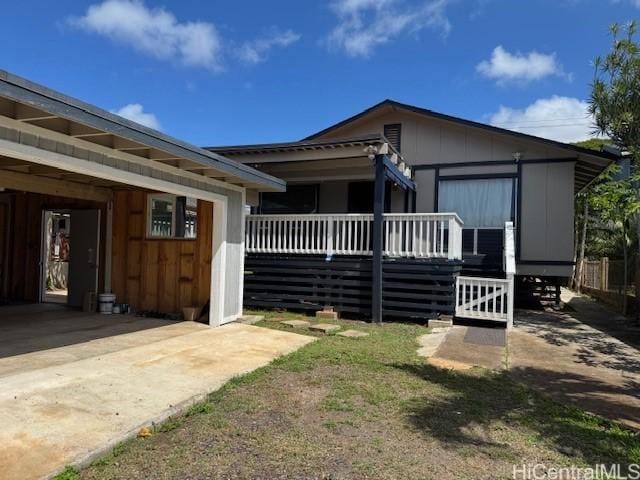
(353, 334)
(250, 319)
(444, 322)
(324, 327)
(455, 349)
(326, 315)
(586, 356)
(94, 394)
(295, 323)
(430, 342)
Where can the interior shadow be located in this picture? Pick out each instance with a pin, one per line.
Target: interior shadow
(37, 327)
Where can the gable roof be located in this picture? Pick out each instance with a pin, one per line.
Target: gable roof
(461, 121)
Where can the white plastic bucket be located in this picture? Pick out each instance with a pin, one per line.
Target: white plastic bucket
(105, 303)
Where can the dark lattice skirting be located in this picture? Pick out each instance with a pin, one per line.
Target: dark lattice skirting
(411, 288)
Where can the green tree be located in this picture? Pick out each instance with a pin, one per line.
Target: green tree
(617, 204)
(615, 105)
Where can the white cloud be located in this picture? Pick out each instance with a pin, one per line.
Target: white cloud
(257, 51)
(558, 118)
(505, 67)
(154, 31)
(635, 3)
(135, 112)
(366, 24)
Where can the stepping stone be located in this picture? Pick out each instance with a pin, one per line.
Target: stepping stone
(295, 323)
(441, 322)
(250, 319)
(353, 334)
(324, 327)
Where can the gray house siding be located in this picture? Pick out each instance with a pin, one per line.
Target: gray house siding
(546, 197)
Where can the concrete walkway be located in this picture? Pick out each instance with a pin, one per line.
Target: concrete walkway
(464, 347)
(69, 403)
(586, 355)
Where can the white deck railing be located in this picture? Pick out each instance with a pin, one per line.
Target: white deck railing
(490, 298)
(415, 235)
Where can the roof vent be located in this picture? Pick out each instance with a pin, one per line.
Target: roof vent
(393, 133)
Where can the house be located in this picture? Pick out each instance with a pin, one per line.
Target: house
(91, 202)
(400, 211)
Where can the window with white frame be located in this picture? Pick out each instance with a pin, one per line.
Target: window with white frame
(170, 216)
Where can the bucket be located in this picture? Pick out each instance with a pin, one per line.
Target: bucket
(105, 302)
(191, 313)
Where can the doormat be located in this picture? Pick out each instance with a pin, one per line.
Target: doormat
(495, 337)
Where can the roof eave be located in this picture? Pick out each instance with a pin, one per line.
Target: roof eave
(24, 91)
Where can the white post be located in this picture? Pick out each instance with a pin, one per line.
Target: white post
(452, 243)
(218, 264)
(329, 237)
(510, 301)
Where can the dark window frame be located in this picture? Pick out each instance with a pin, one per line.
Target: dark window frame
(290, 190)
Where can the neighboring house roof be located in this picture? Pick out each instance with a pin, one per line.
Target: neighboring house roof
(37, 96)
(305, 145)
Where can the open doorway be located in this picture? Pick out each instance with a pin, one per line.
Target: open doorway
(56, 243)
(70, 253)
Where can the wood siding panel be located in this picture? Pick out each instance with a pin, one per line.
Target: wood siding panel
(161, 275)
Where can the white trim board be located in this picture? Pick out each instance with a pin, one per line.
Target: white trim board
(92, 169)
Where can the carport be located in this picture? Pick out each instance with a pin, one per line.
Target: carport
(92, 203)
(158, 222)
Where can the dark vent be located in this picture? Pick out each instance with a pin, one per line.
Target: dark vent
(393, 132)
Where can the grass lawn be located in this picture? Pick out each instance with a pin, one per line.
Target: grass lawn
(366, 408)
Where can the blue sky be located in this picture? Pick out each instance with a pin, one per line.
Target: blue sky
(236, 71)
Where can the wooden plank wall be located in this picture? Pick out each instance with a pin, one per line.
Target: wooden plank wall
(24, 224)
(4, 247)
(160, 275)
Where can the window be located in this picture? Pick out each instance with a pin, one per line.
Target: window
(485, 203)
(297, 199)
(393, 133)
(169, 216)
(360, 197)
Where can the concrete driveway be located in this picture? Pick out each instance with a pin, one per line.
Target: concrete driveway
(586, 355)
(74, 385)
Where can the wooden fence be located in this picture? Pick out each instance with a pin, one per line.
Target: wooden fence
(606, 275)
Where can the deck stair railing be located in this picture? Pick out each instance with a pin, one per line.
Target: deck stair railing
(490, 298)
(412, 235)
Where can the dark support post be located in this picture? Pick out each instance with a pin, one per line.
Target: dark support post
(378, 212)
(413, 201)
